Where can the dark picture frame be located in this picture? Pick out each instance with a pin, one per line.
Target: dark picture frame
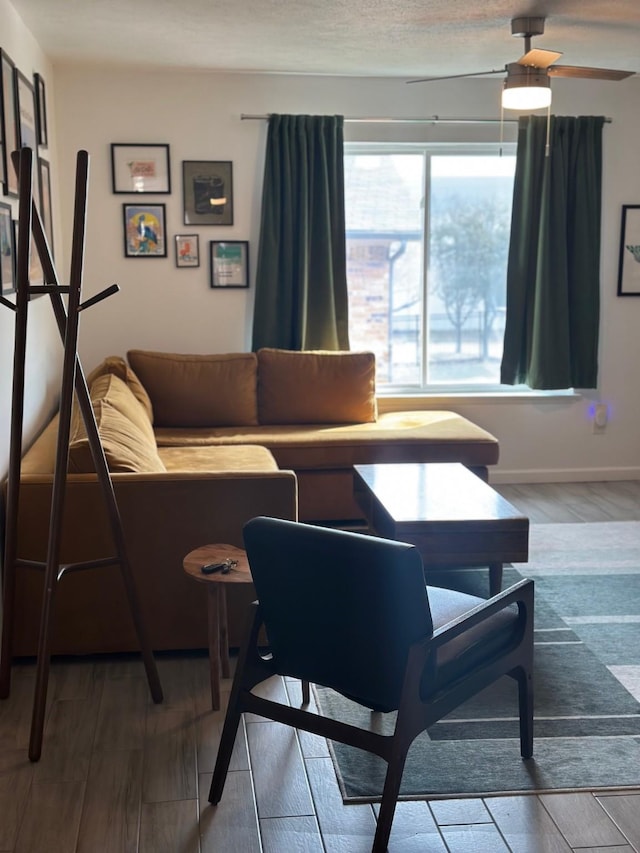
(229, 263)
(629, 259)
(187, 250)
(41, 110)
(143, 169)
(36, 273)
(7, 250)
(207, 188)
(144, 230)
(44, 183)
(26, 114)
(9, 131)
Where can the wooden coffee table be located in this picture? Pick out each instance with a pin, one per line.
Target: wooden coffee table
(452, 516)
(217, 604)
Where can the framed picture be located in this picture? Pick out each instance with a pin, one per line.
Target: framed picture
(207, 188)
(144, 231)
(229, 263)
(629, 262)
(26, 121)
(187, 250)
(139, 168)
(8, 131)
(36, 274)
(41, 110)
(7, 250)
(44, 181)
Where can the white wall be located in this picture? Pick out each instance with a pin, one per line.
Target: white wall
(161, 307)
(44, 350)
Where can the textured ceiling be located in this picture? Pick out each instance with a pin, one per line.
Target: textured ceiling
(395, 38)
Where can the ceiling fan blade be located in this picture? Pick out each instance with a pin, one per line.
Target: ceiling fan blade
(456, 76)
(539, 58)
(588, 73)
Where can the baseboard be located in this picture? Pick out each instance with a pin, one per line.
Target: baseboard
(562, 475)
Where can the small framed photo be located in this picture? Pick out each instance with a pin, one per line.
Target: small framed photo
(137, 168)
(187, 250)
(629, 263)
(44, 181)
(7, 250)
(229, 263)
(26, 120)
(207, 187)
(35, 273)
(41, 110)
(144, 231)
(8, 131)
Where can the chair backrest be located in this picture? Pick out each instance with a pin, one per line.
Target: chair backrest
(340, 608)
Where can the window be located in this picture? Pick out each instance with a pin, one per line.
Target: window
(427, 244)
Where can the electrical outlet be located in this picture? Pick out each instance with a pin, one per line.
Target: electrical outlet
(600, 418)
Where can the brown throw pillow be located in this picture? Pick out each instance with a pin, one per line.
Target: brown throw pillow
(316, 387)
(199, 390)
(125, 432)
(117, 366)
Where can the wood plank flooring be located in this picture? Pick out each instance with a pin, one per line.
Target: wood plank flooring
(119, 774)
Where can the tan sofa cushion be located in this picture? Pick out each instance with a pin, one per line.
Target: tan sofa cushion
(316, 387)
(427, 436)
(125, 432)
(199, 390)
(227, 458)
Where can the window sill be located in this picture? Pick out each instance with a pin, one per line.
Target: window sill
(398, 401)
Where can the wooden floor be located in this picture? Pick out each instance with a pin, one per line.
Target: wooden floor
(119, 774)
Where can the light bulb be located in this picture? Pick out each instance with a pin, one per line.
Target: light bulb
(526, 97)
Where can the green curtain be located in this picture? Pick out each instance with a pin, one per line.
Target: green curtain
(301, 278)
(553, 273)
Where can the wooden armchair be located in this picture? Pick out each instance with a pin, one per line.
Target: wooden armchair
(351, 612)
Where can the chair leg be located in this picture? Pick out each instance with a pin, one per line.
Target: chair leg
(525, 706)
(227, 740)
(306, 693)
(389, 799)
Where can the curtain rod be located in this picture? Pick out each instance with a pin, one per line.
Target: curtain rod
(389, 120)
(426, 120)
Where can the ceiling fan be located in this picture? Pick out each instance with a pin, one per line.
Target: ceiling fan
(527, 84)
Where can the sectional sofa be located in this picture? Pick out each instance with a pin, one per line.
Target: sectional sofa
(197, 445)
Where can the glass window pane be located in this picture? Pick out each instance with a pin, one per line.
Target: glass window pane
(385, 250)
(427, 294)
(469, 221)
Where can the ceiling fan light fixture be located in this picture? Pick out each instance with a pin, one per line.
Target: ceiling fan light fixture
(526, 88)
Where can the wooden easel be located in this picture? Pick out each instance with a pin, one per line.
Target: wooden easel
(72, 378)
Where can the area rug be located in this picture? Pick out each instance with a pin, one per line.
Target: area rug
(587, 684)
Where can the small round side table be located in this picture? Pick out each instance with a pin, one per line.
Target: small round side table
(217, 604)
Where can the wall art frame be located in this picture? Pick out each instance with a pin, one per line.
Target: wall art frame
(144, 230)
(629, 258)
(207, 188)
(140, 169)
(26, 113)
(7, 250)
(44, 184)
(187, 250)
(41, 109)
(36, 273)
(229, 263)
(8, 131)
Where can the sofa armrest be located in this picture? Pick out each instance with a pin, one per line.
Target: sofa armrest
(164, 516)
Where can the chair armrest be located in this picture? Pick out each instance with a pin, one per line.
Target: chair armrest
(520, 593)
